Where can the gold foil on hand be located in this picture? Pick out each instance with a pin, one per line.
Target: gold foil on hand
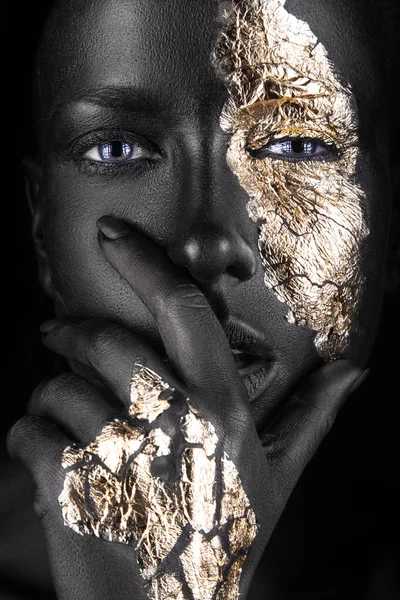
(282, 84)
(197, 523)
(147, 384)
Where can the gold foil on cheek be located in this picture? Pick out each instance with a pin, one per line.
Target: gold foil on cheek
(313, 214)
(191, 529)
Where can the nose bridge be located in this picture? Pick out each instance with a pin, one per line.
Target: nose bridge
(210, 180)
(211, 243)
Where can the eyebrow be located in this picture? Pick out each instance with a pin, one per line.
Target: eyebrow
(121, 98)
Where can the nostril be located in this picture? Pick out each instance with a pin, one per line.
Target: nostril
(240, 271)
(245, 265)
(231, 271)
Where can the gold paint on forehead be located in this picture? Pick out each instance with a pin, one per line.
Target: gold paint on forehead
(110, 492)
(282, 84)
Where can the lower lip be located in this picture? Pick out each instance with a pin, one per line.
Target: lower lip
(257, 378)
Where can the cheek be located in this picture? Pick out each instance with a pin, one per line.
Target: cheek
(86, 285)
(313, 223)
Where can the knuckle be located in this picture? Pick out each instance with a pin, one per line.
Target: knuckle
(272, 444)
(51, 396)
(104, 336)
(101, 343)
(14, 433)
(184, 296)
(328, 422)
(56, 388)
(20, 433)
(269, 442)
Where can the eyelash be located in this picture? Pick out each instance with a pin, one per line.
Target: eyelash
(331, 152)
(84, 144)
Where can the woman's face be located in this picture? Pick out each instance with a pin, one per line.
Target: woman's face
(247, 142)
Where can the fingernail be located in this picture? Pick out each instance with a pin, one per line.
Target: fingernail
(48, 326)
(358, 382)
(113, 228)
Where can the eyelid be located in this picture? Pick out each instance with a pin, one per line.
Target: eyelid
(260, 137)
(331, 149)
(141, 151)
(86, 142)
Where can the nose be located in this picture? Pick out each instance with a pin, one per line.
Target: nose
(212, 251)
(209, 239)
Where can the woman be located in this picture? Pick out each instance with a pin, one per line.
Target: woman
(211, 204)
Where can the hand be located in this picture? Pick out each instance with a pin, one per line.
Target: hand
(256, 474)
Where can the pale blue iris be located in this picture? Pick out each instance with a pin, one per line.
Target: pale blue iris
(114, 151)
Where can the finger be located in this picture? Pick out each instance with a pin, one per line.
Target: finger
(294, 436)
(194, 340)
(74, 405)
(108, 349)
(38, 445)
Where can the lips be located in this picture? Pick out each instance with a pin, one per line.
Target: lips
(253, 358)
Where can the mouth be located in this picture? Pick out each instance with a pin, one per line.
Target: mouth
(253, 358)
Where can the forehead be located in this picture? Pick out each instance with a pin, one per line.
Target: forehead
(350, 32)
(164, 48)
(154, 46)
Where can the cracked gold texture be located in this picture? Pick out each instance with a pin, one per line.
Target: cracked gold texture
(313, 214)
(200, 523)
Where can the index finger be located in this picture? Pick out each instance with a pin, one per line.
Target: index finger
(194, 340)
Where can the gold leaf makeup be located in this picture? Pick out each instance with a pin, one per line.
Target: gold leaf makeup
(283, 90)
(162, 483)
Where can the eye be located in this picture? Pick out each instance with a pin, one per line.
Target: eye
(117, 151)
(295, 149)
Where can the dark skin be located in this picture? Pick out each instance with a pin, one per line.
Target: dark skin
(185, 267)
(219, 249)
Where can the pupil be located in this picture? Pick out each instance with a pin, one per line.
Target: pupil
(115, 150)
(298, 146)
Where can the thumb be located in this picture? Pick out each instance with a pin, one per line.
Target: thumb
(295, 434)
